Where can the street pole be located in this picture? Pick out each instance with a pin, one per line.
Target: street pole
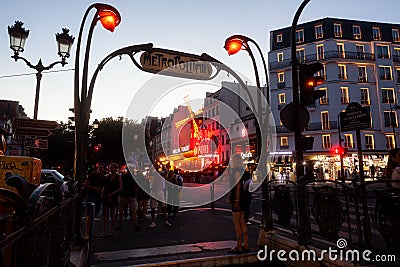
(342, 176)
(304, 226)
(393, 123)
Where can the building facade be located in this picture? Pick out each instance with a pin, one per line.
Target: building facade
(361, 63)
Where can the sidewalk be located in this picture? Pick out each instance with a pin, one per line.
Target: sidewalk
(197, 237)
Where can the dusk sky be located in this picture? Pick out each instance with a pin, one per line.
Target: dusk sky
(188, 26)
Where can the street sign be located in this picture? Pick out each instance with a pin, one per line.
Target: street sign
(37, 124)
(175, 63)
(32, 132)
(36, 143)
(289, 118)
(355, 117)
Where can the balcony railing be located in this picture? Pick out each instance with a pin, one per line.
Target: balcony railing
(362, 79)
(369, 146)
(318, 126)
(342, 76)
(326, 145)
(349, 145)
(385, 77)
(328, 55)
(345, 100)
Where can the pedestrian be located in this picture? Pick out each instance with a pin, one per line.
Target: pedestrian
(247, 194)
(372, 170)
(127, 199)
(112, 187)
(237, 201)
(143, 195)
(93, 188)
(157, 187)
(393, 167)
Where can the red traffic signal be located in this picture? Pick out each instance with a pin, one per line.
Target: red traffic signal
(339, 150)
(97, 148)
(308, 81)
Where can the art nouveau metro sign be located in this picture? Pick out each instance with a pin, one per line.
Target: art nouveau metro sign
(175, 63)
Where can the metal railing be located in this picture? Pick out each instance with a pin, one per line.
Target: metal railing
(333, 54)
(358, 213)
(38, 231)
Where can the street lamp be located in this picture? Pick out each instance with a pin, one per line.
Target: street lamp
(393, 123)
(109, 18)
(233, 45)
(18, 36)
(95, 124)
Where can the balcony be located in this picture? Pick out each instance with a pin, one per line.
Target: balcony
(326, 145)
(362, 79)
(318, 126)
(344, 100)
(385, 77)
(349, 145)
(328, 55)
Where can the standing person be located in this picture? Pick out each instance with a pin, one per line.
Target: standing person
(237, 201)
(372, 170)
(93, 186)
(247, 194)
(157, 187)
(127, 199)
(143, 195)
(393, 167)
(112, 187)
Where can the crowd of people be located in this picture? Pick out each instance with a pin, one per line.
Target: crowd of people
(121, 195)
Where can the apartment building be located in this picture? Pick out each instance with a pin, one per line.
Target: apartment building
(361, 63)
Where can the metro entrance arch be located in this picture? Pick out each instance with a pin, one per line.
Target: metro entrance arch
(153, 60)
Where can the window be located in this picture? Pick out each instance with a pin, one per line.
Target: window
(385, 72)
(398, 75)
(340, 49)
(217, 110)
(279, 38)
(395, 35)
(282, 98)
(300, 54)
(376, 33)
(388, 95)
(337, 29)
(322, 72)
(356, 32)
(281, 77)
(325, 120)
(365, 96)
(324, 100)
(300, 36)
(348, 141)
(344, 95)
(280, 57)
(390, 118)
(362, 74)
(326, 141)
(382, 51)
(284, 141)
(342, 72)
(360, 51)
(389, 141)
(369, 141)
(396, 54)
(320, 52)
(222, 139)
(227, 140)
(319, 32)
(227, 155)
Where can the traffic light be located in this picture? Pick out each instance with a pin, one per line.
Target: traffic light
(339, 150)
(308, 81)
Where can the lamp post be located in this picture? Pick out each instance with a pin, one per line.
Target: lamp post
(109, 18)
(393, 123)
(233, 45)
(18, 36)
